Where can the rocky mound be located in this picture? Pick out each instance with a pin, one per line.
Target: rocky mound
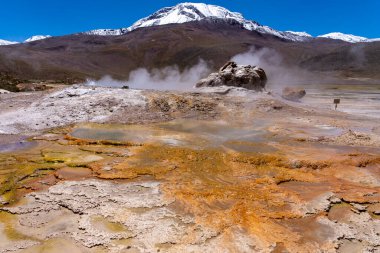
(293, 94)
(32, 87)
(231, 74)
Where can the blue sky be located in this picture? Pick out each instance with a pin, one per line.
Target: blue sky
(20, 19)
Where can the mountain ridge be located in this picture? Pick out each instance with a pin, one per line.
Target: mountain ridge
(7, 42)
(84, 56)
(37, 37)
(189, 12)
(30, 39)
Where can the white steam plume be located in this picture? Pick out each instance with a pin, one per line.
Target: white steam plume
(358, 54)
(168, 78)
(171, 78)
(279, 74)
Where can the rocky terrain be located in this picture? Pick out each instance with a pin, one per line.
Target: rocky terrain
(218, 169)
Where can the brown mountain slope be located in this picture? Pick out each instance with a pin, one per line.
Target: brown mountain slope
(81, 56)
(353, 60)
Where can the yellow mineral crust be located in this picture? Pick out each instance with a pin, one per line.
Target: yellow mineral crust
(265, 195)
(221, 190)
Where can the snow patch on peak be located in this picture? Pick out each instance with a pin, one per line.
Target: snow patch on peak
(186, 12)
(37, 37)
(345, 37)
(297, 36)
(106, 32)
(304, 34)
(6, 42)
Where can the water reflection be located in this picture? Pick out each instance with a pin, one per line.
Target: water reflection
(15, 144)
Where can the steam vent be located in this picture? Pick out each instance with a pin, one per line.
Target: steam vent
(231, 74)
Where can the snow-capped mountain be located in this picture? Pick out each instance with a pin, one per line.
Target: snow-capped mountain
(6, 42)
(37, 37)
(345, 37)
(187, 12)
(33, 38)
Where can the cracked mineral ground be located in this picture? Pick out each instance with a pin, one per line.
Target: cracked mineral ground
(92, 169)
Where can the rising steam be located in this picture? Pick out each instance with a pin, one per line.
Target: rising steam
(168, 78)
(279, 74)
(171, 78)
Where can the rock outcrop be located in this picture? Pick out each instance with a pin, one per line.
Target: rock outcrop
(23, 87)
(293, 94)
(231, 74)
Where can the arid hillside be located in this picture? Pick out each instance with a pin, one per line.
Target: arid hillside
(215, 41)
